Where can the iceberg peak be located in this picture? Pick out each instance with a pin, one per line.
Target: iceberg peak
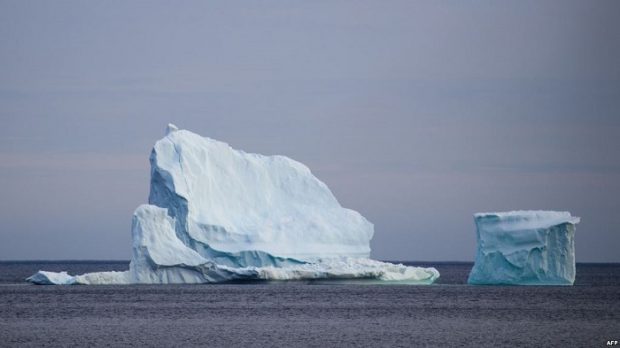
(171, 128)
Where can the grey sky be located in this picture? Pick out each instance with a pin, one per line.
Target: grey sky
(416, 114)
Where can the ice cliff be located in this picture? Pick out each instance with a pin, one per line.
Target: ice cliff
(218, 214)
(525, 248)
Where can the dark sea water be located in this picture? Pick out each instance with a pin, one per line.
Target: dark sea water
(308, 314)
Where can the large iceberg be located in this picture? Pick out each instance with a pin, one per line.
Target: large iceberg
(217, 214)
(525, 248)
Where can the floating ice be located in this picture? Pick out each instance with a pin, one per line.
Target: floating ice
(525, 247)
(51, 278)
(218, 214)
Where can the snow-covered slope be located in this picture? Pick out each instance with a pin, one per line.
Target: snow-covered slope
(217, 214)
(525, 247)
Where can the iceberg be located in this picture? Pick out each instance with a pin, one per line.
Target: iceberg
(525, 248)
(216, 214)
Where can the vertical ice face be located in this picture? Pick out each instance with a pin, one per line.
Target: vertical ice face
(525, 247)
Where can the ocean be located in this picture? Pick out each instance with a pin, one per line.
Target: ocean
(449, 313)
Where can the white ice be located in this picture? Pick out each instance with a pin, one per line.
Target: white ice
(218, 214)
(50, 278)
(525, 247)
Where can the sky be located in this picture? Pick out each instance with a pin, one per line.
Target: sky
(417, 114)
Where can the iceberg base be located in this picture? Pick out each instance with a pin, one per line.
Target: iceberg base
(340, 269)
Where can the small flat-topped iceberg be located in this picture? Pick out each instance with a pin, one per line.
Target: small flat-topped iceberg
(217, 214)
(525, 248)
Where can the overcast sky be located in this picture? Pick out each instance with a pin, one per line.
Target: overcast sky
(416, 114)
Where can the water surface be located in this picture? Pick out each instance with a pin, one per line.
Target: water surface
(308, 314)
